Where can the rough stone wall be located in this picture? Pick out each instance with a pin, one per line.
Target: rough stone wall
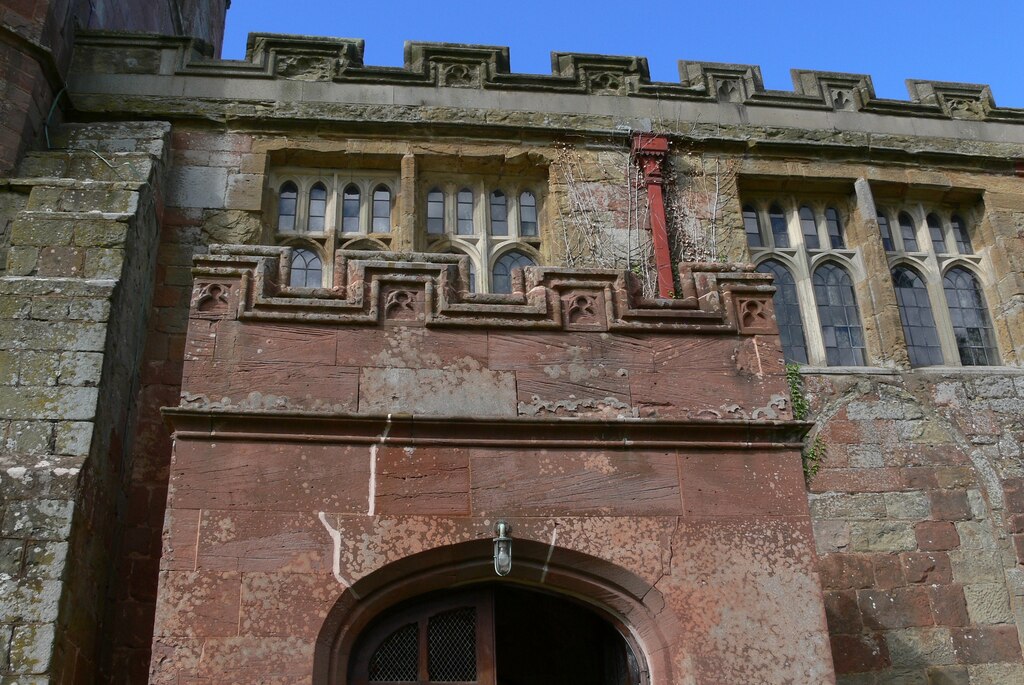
(73, 308)
(917, 521)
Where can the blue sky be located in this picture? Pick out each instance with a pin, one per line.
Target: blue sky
(977, 41)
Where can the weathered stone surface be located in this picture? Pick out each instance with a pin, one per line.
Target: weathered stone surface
(437, 392)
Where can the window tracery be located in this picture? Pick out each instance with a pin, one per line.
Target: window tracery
(804, 247)
(495, 221)
(934, 264)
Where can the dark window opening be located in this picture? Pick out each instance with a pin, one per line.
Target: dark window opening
(493, 635)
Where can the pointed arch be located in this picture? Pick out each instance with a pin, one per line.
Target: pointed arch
(972, 327)
(837, 312)
(787, 311)
(917, 317)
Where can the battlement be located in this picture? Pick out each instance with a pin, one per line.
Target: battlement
(448, 65)
(421, 289)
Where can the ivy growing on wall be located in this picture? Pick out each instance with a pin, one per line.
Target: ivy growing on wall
(815, 449)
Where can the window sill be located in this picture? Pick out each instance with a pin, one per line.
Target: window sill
(924, 370)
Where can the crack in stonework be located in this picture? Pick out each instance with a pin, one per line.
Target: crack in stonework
(336, 538)
(372, 496)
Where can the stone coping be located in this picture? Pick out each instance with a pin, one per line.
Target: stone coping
(453, 65)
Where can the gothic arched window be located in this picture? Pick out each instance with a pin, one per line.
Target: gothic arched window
(435, 211)
(752, 227)
(501, 276)
(969, 315)
(350, 209)
(287, 204)
(835, 229)
(809, 227)
(317, 208)
(780, 232)
(907, 232)
(499, 214)
(918, 320)
(787, 311)
(381, 210)
(307, 269)
(527, 214)
(464, 209)
(837, 313)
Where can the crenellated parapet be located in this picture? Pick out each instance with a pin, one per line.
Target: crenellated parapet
(414, 289)
(449, 65)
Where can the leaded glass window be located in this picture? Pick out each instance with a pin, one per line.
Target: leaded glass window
(961, 236)
(780, 232)
(464, 207)
(752, 226)
(837, 313)
(935, 232)
(969, 315)
(527, 214)
(381, 210)
(499, 214)
(886, 233)
(501, 276)
(835, 229)
(350, 209)
(809, 227)
(787, 311)
(307, 269)
(435, 212)
(317, 208)
(907, 232)
(917, 317)
(287, 203)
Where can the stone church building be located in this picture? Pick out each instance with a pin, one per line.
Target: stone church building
(317, 372)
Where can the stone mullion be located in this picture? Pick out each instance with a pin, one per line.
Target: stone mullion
(406, 236)
(876, 297)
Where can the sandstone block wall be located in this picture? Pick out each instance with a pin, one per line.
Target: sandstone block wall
(316, 449)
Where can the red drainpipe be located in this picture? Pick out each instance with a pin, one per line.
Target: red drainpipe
(650, 152)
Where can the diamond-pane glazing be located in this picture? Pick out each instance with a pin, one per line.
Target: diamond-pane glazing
(451, 651)
(397, 658)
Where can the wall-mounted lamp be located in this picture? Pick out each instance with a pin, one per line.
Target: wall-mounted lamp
(502, 548)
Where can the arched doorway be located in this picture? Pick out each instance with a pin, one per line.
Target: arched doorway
(493, 634)
(631, 606)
